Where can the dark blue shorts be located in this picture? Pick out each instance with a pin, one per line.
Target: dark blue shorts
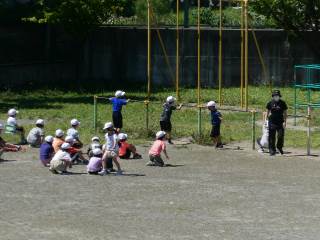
(215, 131)
(117, 119)
(165, 126)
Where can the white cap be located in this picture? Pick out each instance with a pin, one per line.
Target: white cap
(211, 104)
(122, 136)
(108, 125)
(49, 139)
(12, 112)
(74, 122)
(65, 146)
(1, 126)
(120, 93)
(69, 139)
(40, 122)
(97, 151)
(171, 99)
(160, 134)
(95, 138)
(59, 133)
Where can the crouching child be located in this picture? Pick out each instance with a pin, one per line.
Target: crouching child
(7, 147)
(46, 151)
(61, 160)
(126, 149)
(155, 151)
(95, 162)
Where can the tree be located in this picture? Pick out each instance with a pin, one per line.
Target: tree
(294, 16)
(77, 16)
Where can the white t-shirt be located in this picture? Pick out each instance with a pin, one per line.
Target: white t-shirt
(62, 155)
(112, 140)
(73, 133)
(12, 121)
(35, 135)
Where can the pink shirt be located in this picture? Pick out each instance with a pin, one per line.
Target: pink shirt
(157, 147)
(94, 165)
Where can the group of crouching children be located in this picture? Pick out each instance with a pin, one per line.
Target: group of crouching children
(61, 151)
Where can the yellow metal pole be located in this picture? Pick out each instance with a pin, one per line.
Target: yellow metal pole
(148, 67)
(177, 54)
(246, 54)
(199, 73)
(220, 56)
(242, 55)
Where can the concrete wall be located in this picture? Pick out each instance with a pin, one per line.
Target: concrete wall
(39, 56)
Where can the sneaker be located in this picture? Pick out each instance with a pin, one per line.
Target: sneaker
(53, 171)
(119, 173)
(137, 156)
(150, 164)
(111, 170)
(272, 153)
(280, 150)
(65, 173)
(219, 145)
(170, 142)
(103, 172)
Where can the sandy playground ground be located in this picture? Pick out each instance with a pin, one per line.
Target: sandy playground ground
(206, 194)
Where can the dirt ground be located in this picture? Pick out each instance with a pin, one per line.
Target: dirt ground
(206, 194)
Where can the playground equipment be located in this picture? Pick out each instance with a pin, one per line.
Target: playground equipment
(307, 74)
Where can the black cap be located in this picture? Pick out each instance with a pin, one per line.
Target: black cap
(276, 93)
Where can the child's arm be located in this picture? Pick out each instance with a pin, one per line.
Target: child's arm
(166, 154)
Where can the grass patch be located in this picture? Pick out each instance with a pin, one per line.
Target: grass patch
(57, 108)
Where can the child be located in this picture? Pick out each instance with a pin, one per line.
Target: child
(155, 151)
(165, 119)
(58, 140)
(73, 132)
(117, 103)
(61, 160)
(75, 153)
(7, 147)
(126, 149)
(216, 119)
(263, 141)
(95, 162)
(36, 134)
(95, 143)
(12, 121)
(111, 149)
(46, 151)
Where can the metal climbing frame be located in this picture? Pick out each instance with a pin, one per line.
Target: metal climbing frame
(308, 83)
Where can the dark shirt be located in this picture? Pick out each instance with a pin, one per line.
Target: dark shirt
(167, 112)
(277, 109)
(46, 151)
(215, 118)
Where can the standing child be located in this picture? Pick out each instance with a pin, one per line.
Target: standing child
(165, 119)
(36, 134)
(126, 148)
(61, 160)
(46, 151)
(95, 162)
(216, 119)
(117, 102)
(155, 151)
(111, 149)
(58, 140)
(73, 132)
(12, 121)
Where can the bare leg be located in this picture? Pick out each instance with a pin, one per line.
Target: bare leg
(115, 160)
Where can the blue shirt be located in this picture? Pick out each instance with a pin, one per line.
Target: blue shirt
(215, 118)
(46, 151)
(117, 104)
